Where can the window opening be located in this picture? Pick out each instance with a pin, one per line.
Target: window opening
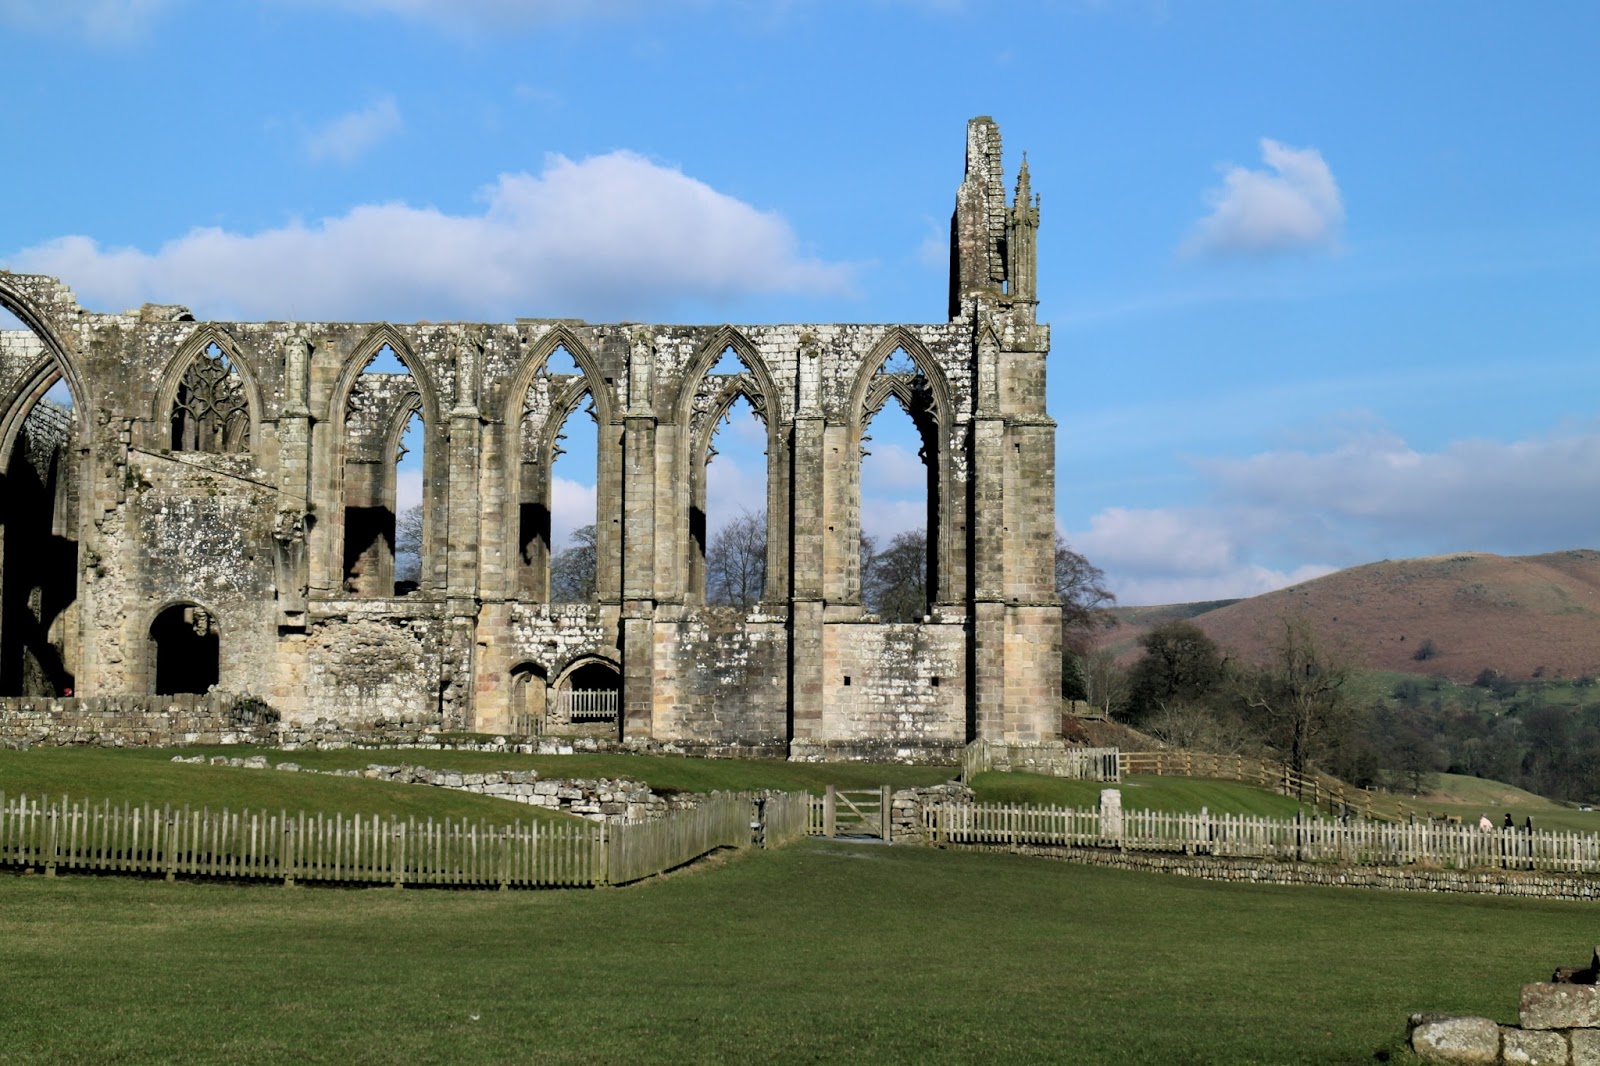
(384, 481)
(39, 549)
(209, 411)
(736, 508)
(899, 493)
(590, 694)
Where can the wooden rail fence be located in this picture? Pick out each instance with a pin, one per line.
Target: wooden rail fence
(1318, 790)
(1242, 836)
(60, 834)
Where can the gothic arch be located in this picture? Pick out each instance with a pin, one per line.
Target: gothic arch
(901, 338)
(530, 577)
(60, 360)
(723, 338)
(435, 460)
(191, 349)
(931, 409)
(538, 353)
(699, 410)
(357, 361)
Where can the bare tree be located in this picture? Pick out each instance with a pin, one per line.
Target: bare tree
(896, 586)
(1105, 682)
(1084, 598)
(1298, 697)
(736, 565)
(408, 545)
(572, 571)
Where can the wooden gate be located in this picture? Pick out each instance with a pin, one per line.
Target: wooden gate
(856, 812)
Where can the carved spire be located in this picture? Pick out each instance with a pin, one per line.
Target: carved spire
(1022, 241)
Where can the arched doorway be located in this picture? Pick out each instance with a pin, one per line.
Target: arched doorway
(590, 694)
(184, 650)
(530, 694)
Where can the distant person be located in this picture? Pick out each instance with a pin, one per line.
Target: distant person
(1527, 825)
(1508, 823)
(1484, 824)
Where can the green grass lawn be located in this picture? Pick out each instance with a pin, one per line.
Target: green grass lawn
(820, 952)
(150, 776)
(1146, 791)
(664, 773)
(1471, 797)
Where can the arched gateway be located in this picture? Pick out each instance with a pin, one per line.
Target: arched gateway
(231, 508)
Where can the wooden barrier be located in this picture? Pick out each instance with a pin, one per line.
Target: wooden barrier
(1429, 844)
(51, 835)
(1318, 790)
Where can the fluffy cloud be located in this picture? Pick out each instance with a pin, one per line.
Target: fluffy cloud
(352, 135)
(1281, 517)
(101, 21)
(572, 504)
(1293, 204)
(611, 236)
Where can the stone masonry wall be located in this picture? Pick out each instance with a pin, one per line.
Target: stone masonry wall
(134, 721)
(276, 529)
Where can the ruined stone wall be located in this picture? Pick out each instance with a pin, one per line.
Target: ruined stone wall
(135, 721)
(268, 539)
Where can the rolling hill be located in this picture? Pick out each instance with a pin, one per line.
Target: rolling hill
(1525, 616)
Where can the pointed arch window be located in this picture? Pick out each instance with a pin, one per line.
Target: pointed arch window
(729, 545)
(39, 515)
(209, 411)
(386, 513)
(899, 492)
(558, 501)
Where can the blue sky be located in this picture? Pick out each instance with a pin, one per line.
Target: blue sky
(1321, 275)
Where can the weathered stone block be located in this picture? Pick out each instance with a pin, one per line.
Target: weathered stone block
(1467, 1041)
(1549, 1006)
(1520, 1047)
(1585, 1047)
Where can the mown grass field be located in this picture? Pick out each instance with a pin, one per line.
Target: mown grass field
(1469, 798)
(1147, 791)
(141, 775)
(820, 952)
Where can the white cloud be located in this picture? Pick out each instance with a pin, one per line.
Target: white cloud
(1532, 495)
(350, 136)
(1294, 204)
(101, 21)
(1366, 497)
(611, 236)
(572, 504)
(892, 469)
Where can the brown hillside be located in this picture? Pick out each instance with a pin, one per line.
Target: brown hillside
(1512, 614)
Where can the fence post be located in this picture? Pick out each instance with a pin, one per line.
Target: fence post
(830, 809)
(885, 813)
(1111, 816)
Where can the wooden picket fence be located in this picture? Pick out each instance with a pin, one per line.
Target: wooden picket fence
(59, 834)
(1242, 836)
(1320, 791)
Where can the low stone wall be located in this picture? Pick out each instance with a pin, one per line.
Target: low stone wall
(928, 753)
(1261, 871)
(1559, 1025)
(906, 805)
(616, 801)
(135, 721)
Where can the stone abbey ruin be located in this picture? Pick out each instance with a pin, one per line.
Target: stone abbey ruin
(192, 506)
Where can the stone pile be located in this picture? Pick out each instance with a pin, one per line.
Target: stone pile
(905, 817)
(1559, 1025)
